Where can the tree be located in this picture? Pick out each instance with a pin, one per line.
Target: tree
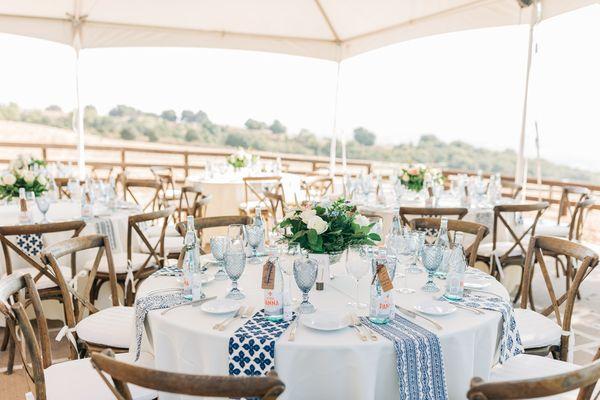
(254, 124)
(169, 115)
(127, 134)
(187, 116)
(89, 113)
(277, 127)
(236, 139)
(53, 108)
(364, 136)
(124, 111)
(191, 135)
(151, 135)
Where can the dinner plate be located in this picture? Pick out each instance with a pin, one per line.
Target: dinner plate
(433, 307)
(326, 320)
(220, 306)
(206, 278)
(475, 282)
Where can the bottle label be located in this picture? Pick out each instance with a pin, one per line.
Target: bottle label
(273, 302)
(23, 205)
(268, 275)
(384, 278)
(381, 305)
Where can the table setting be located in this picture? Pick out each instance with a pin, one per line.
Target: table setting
(357, 335)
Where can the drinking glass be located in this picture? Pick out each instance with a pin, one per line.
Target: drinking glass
(218, 245)
(43, 203)
(235, 259)
(416, 241)
(357, 269)
(288, 256)
(254, 235)
(73, 188)
(305, 274)
(404, 255)
(432, 258)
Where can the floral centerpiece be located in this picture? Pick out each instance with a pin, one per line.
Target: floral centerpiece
(24, 172)
(328, 227)
(414, 177)
(240, 159)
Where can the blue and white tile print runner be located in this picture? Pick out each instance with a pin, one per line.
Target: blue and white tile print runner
(252, 347)
(168, 270)
(510, 340)
(31, 244)
(419, 359)
(145, 304)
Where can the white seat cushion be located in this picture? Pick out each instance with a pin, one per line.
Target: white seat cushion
(172, 244)
(44, 282)
(110, 327)
(526, 366)
(485, 249)
(78, 379)
(547, 229)
(154, 230)
(536, 330)
(120, 262)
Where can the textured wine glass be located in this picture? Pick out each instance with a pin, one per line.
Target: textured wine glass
(416, 241)
(43, 204)
(305, 274)
(404, 254)
(218, 246)
(254, 235)
(432, 256)
(235, 262)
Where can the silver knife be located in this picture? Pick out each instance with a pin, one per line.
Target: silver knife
(413, 314)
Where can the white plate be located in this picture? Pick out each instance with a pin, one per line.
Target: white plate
(220, 306)
(434, 307)
(473, 282)
(325, 320)
(205, 279)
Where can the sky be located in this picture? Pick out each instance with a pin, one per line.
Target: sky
(459, 86)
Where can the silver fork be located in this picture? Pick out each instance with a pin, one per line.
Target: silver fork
(220, 326)
(359, 323)
(359, 332)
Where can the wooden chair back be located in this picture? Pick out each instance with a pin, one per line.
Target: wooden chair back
(565, 207)
(62, 185)
(578, 218)
(102, 172)
(501, 219)
(514, 189)
(587, 259)
(33, 347)
(316, 188)
(434, 212)
(583, 379)
(151, 186)
(255, 188)
(276, 203)
(262, 387)
(214, 222)
(156, 252)
(478, 231)
(9, 246)
(53, 253)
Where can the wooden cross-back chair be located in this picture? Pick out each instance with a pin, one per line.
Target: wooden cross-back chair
(166, 177)
(434, 212)
(62, 185)
(565, 207)
(316, 188)
(213, 222)
(42, 276)
(254, 193)
(513, 250)
(559, 379)
(478, 231)
(192, 202)
(263, 387)
(143, 185)
(276, 202)
(588, 259)
(67, 380)
(514, 189)
(101, 328)
(579, 218)
(102, 172)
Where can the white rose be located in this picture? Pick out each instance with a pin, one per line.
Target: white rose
(9, 179)
(325, 204)
(307, 215)
(28, 176)
(318, 224)
(290, 215)
(361, 220)
(42, 180)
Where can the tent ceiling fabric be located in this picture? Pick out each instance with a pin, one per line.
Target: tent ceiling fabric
(326, 29)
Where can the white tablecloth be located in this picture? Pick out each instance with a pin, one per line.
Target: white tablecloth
(322, 365)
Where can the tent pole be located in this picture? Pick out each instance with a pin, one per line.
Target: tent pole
(77, 21)
(521, 173)
(332, 147)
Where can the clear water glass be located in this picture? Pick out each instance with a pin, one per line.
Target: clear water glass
(416, 242)
(254, 235)
(305, 275)
(432, 256)
(218, 246)
(43, 204)
(358, 268)
(404, 255)
(235, 262)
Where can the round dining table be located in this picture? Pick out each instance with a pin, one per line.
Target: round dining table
(318, 364)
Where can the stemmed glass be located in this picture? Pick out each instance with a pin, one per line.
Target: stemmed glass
(235, 259)
(43, 204)
(287, 264)
(218, 245)
(415, 241)
(305, 274)
(432, 256)
(404, 255)
(357, 269)
(255, 235)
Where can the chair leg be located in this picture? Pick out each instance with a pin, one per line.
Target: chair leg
(5, 339)
(11, 357)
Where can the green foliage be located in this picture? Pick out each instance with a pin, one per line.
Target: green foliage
(169, 115)
(124, 111)
(191, 135)
(364, 136)
(54, 108)
(236, 139)
(127, 134)
(255, 125)
(277, 127)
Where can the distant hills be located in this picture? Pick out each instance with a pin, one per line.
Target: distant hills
(195, 128)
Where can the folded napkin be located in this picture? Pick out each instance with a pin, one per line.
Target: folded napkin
(168, 270)
(31, 245)
(510, 340)
(104, 226)
(419, 359)
(148, 303)
(252, 347)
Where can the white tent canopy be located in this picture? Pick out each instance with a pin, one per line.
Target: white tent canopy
(326, 29)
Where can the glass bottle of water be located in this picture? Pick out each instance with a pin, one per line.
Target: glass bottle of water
(442, 240)
(24, 213)
(381, 305)
(258, 223)
(53, 191)
(455, 281)
(396, 229)
(86, 204)
(274, 297)
(192, 275)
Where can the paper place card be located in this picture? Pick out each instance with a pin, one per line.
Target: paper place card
(268, 276)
